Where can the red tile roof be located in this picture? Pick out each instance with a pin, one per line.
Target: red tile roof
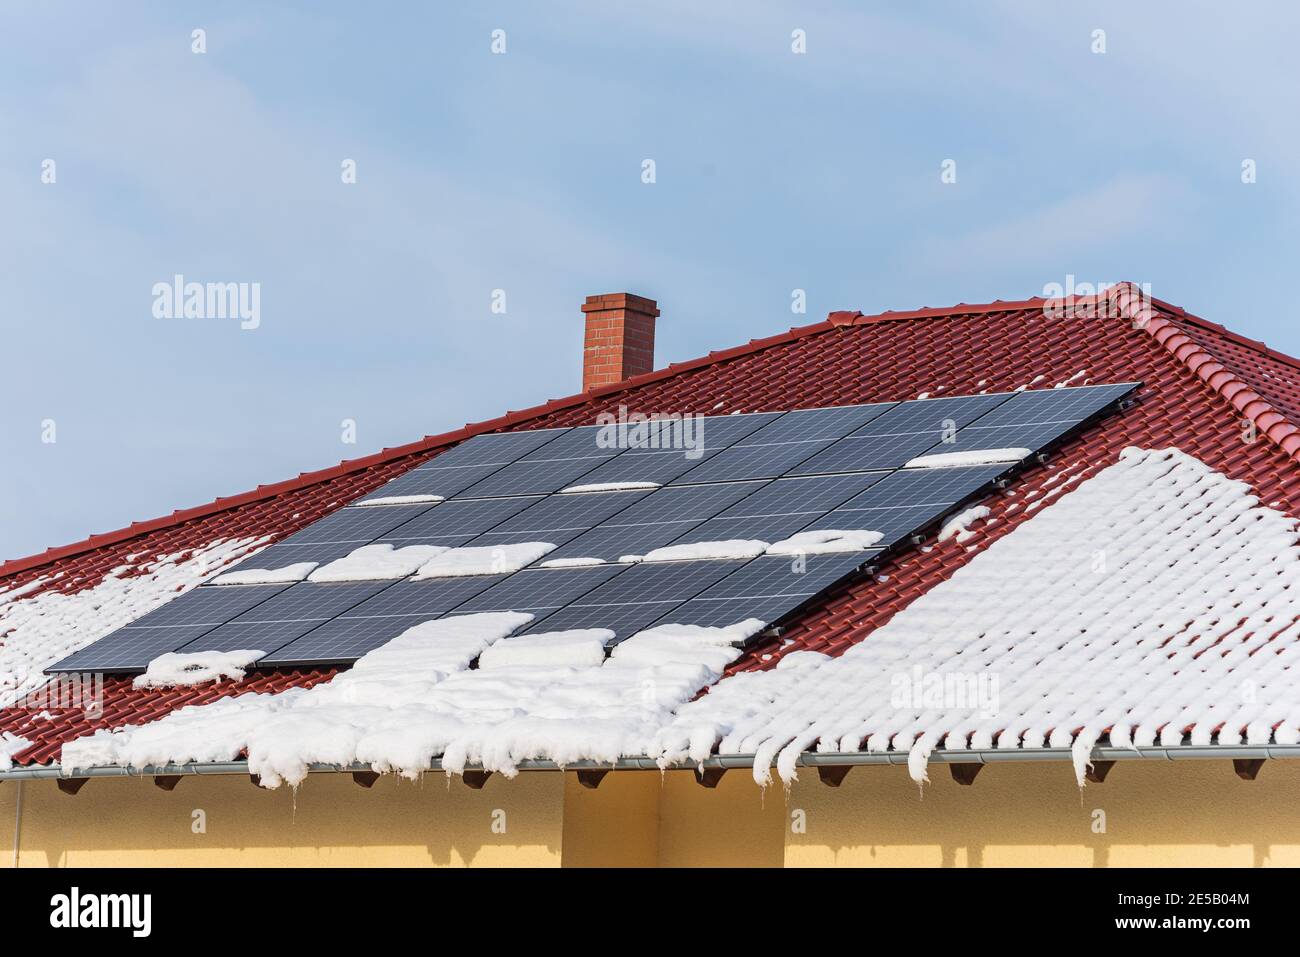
(1201, 382)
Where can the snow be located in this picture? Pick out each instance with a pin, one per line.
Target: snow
(576, 562)
(1074, 378)
(378, 562)
(266, 576)
(1094, 614)
(415, 698)
(399, 500)
(10, 744)
(39, 630)
(610, 487)
(959, 526)
(694, 551)
(825, 541)
(1155, 597)
(482, 560)
(943, 460)
(581, 647)
(177, 669)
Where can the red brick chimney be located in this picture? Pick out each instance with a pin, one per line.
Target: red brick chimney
(620, 338)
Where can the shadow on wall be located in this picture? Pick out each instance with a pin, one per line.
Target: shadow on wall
(1147, 813)
(226, 820)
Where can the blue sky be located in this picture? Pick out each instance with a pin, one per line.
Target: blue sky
(522, 172)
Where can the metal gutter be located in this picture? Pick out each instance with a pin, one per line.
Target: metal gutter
(809, 759)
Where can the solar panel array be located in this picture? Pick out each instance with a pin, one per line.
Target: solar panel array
(760, 476)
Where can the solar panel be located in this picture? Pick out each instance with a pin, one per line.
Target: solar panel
(632, 600)
(781, 508)
(458, 521)
(460, 467)
(559, 518)
(1032, 419)
(380, 619)
(760, 476)
(707, 435)
(129, 649)
(654, 521)
(540, 591)
(907, 501)
(902, 433)
(552, 467)
(289, 615)
(167, 628)
(767, 588)
(784, 443)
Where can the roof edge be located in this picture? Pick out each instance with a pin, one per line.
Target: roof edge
(808, 759)
(1134, 304)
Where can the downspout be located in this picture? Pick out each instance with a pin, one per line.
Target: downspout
(18, 821)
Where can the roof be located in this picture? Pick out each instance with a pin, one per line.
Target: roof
(1204, 389)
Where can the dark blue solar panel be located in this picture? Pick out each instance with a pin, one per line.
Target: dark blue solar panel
(552, 467)
(290, 614)
(559, 518)
(129, 649)
(168, 628)
(682, 448)
(781, 508)
(282, 556)
(357, 525)
(632, 600)
(902, 433)
(380, 619)
(784, 443)
(767, 588)
(460, 467)
(1032, 419)
(653, 521)
(456, 522)
(907, 501)
(540, 591)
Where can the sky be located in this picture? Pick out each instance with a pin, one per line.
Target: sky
(128, 156)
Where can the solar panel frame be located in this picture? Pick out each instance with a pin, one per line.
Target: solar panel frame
(459, 521)
(379, 619)
(125, 649)
(780, 508)
(908, 501)
(664, 465)
(768, 588)
(539, 591)
(907, 430)
(653, 521)
(463, 465)
(639, 595)
(783, 443)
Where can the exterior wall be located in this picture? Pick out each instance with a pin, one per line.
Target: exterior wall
(1153, 814)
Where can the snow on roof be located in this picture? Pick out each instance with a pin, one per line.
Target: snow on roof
(42, 629)
(482, 560)
(400, 500)
(610, 487)
(415, 698)
(176, 669)
(944, 460)
(1097, 614)
(380, 561)
(266, 576)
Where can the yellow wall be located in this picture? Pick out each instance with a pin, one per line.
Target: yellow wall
(1155, 813)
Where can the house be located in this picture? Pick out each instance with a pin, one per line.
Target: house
(1123, 611)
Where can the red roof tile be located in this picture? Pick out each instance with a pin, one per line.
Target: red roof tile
(1200, 382)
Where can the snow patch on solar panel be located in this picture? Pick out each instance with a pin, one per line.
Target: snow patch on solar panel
(378, 562)
(296, 572)
(698, 551)
(483, 560)
(944, 460)
(825, 541)
(180, 669)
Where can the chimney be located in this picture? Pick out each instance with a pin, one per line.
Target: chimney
(620, 338)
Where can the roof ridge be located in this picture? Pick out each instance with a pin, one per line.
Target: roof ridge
(1268, 419)
(1135, 305)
